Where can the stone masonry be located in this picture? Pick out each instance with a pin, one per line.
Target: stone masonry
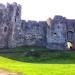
(52, 34)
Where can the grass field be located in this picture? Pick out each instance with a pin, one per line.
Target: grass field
(45, 63)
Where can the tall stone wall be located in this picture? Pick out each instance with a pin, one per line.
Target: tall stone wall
(32, 33)
(10, 20)
(14, 22)
(56, 33)
(3, 26)
(53, 33)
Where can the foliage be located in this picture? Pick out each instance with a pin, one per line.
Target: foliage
(45, 63)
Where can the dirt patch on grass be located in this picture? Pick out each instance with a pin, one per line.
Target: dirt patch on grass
(6, 72)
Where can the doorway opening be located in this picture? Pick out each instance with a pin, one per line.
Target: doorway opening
(69, 45)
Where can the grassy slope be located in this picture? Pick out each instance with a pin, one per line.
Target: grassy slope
(48, 63)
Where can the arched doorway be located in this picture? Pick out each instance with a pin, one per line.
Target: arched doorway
(70, 35)
(69, 45)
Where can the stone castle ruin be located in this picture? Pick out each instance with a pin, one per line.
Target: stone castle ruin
(57, 33)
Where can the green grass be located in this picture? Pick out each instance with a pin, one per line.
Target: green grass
(47, 63)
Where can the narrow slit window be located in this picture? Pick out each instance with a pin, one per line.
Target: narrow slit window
(5, 29)
(55, 34)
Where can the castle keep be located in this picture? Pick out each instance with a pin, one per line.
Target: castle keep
(57, 33)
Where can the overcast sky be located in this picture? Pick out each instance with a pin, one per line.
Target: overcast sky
(42, 9)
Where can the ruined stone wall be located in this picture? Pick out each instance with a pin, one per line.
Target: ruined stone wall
(14, 22)
(56, 33)
(10, 20)
(70, 31)
(53, 33)
(17, 32)
(3, 26)
(32, 33)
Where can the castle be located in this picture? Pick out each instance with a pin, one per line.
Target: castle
(57, 33)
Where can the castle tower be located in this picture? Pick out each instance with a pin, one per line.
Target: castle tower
(56, 33)
(3, 27)
(14, 17)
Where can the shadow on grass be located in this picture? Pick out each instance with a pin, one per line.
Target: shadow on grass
(41, 56)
